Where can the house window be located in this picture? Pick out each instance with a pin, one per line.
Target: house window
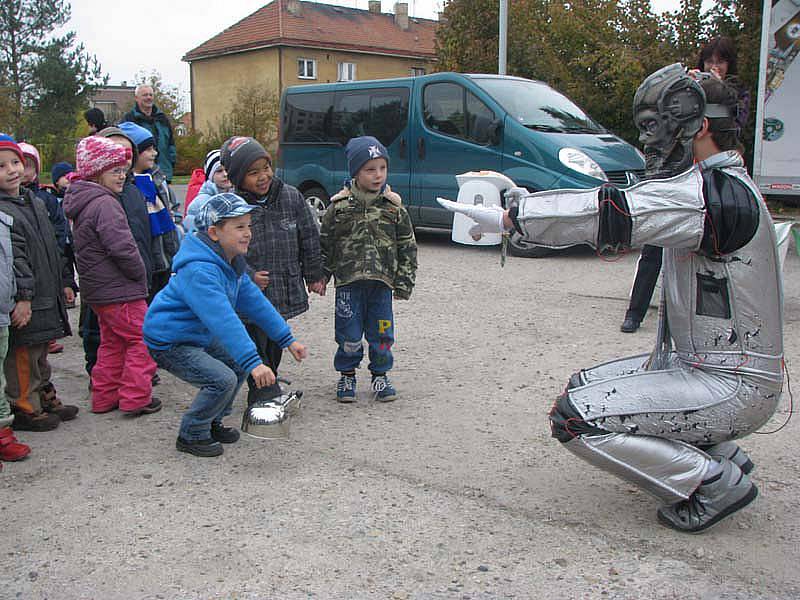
(417, 71)
(347, 71)
(306, 68)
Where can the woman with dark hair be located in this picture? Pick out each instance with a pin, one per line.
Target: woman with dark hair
(718, 57)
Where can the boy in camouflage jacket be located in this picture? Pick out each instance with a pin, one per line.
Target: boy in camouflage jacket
(368, 245)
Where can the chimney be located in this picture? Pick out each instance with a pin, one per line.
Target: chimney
(375, 7)
(294, 8)
(401, 15)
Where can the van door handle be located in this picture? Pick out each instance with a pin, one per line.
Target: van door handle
(402, 148)
(421, 148)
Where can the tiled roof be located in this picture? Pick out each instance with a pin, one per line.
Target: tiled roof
(322, 26)
(119, 95)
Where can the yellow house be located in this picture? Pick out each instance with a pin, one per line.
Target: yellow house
(291, 42)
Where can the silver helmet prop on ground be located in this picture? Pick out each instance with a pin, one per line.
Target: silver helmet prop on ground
(668, 110)
(270, 419)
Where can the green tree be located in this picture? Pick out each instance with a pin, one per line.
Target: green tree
(253, 113)
(168, 98)
(595, 51)
(25, 28)
(63, 79)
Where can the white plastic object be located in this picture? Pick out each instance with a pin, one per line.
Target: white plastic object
(478, 188)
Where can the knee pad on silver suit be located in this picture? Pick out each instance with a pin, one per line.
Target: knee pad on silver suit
(669, 470)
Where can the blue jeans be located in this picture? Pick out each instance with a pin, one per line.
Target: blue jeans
(364, 309)
(217, 375)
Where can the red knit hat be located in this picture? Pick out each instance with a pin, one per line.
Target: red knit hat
(96, 155)
(8, 143)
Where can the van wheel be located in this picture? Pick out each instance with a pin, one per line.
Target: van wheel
(318, 201)
(518, 247)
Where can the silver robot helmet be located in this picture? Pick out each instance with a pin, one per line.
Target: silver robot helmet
(668, 110)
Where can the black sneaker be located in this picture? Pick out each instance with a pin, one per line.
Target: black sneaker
(224, 435)
(204, 448)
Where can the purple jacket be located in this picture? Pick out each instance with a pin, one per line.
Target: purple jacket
(109, 265)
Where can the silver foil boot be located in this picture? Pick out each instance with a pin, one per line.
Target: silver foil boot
(711, 502)
(733, 453)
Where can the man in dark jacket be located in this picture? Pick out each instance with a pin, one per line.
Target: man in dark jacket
(146, 114)
(133, 204)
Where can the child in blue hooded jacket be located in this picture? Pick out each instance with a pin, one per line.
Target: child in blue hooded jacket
(211, 348)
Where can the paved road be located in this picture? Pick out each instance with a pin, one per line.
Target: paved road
(454, 491)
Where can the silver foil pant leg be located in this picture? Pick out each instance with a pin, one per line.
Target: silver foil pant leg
(668, 469)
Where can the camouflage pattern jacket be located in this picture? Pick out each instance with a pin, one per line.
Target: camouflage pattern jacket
(369, 236)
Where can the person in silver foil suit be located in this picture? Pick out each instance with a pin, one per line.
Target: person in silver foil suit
(667, 421)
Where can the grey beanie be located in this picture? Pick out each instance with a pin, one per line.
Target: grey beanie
(109, 131)
(238, 153)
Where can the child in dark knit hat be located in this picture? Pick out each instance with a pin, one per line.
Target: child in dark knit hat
(284, 253)
(39, 314)
(216, 182)
(59, 174)
(113, 278)
(368, 245)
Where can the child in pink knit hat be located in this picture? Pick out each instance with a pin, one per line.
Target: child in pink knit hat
(112, 276)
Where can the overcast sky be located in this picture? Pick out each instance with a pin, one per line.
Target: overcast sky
(148, 35)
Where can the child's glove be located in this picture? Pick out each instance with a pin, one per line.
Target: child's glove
(489, 219)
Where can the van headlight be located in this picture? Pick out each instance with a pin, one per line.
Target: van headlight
(580, 162)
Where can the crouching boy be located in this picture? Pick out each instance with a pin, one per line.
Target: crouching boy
(193, 331)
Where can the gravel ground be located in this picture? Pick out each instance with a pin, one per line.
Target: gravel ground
(454, 491)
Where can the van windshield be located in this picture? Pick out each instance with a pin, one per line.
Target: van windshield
(538, 106)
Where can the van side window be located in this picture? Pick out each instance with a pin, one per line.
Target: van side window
(306, 117)
(382, 113)
(452, 110)
(479, 120)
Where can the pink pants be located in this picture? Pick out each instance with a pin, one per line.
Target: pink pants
(122, 376)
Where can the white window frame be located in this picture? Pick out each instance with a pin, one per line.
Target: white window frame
(417, 71)
(346, 71)
(302, 68)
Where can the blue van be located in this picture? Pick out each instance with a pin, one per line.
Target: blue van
(437, 126)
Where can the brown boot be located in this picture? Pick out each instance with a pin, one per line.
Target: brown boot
(37, 421)
(51, 404)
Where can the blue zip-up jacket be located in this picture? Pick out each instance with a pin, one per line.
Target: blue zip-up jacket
(200, 302)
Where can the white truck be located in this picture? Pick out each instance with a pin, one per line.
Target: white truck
(776, 163)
